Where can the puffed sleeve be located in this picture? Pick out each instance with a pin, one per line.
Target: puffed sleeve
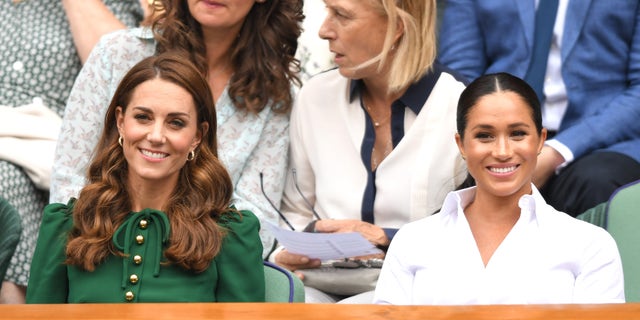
(239, 262)
(48, 281)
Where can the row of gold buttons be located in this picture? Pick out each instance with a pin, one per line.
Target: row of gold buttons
(137, 259)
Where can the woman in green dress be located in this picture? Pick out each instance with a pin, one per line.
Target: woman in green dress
(154, 223)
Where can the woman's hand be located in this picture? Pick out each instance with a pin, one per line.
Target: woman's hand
(369, 231)
(294, 262)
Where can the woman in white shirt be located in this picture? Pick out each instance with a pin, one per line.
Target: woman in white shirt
(499, 242)
(371, 140)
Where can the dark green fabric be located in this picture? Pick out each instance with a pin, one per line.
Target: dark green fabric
(235, 275)
(10, 229)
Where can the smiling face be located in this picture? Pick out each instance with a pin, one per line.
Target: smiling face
(159, 128)
(501, 144)
(356, 32)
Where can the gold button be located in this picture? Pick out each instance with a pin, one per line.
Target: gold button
(137, 259)
(143, 224)
(140, 239)
(128, 296)
(133, 279)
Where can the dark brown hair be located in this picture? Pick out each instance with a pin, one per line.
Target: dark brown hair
(492, 83)
(263, 56)
(201, 196)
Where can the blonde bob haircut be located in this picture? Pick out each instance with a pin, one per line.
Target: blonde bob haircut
(415, 50)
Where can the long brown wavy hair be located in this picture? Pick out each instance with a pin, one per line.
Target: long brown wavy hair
(263, 56)
(201, 196)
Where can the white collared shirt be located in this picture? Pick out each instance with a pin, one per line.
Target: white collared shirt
(556, 101)
(555, 104)
(548, 257)
(327, 130)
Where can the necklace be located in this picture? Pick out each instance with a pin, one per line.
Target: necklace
(382, 146)
(379, 122)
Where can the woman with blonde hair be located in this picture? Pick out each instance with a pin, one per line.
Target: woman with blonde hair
(370, 140)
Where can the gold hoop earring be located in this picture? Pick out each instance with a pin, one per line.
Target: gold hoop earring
(191, 155)
(120, 140)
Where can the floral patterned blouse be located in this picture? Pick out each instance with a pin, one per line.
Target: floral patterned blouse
(248, 144)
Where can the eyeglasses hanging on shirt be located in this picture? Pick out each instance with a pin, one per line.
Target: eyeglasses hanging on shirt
(311, 226)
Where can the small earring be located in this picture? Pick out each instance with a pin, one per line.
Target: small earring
(463, 158)
(120, 140)
(191, 155)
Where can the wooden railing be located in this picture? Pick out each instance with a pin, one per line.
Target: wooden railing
(282, 311)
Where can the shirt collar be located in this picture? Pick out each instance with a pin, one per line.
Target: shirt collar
(142, 32)
(417, 93)
(530, 204)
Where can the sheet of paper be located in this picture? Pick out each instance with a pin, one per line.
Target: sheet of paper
(323, 246)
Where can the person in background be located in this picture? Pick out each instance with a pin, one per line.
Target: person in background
(42, 47)
(586, 70)
(370, 147)
(499, 242)
(154, 222)
(245, 49)
(313, 52)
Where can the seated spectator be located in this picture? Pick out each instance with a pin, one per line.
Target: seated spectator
(43, 46)
(499, 242)
(371, 145)
(583, 60)
(232, 46)
(154, 223)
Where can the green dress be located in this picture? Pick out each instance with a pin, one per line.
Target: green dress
(235, 275)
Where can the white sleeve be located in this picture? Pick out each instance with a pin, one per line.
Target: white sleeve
(395, 284)
(82, 125)
(83, 119)
(601, 277)
(294, 207)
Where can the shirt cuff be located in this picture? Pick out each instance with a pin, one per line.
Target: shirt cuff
(563, 150)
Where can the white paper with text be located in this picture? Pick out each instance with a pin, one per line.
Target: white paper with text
(323, 246)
